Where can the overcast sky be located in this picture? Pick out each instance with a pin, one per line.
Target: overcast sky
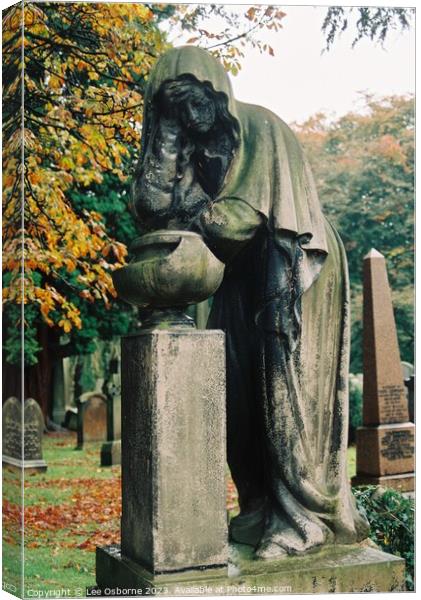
(300, 80)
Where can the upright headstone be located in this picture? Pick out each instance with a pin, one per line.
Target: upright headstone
(59, 399)
(111, 449)
(410, 387)
(12, 431)
(409, 381)
(385, 442)
(92, 418)
(33, 423)
(407, 370)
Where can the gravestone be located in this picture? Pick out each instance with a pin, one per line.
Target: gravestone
(92, 418)
(385, 442)
(59, 394)
(410, 387)
(12, 431)
(409, 381)
(407, 370)
(111, 449)
(31, 459)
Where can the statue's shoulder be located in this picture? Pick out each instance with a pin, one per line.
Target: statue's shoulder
(253, 116)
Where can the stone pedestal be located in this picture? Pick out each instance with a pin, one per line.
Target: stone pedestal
(173, 452)
(356, 568)
(385, 443)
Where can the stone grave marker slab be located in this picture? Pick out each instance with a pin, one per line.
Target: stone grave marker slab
(12, 430)
(31, 458)
(93, 418)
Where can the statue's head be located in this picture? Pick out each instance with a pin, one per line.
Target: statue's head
(198, 107)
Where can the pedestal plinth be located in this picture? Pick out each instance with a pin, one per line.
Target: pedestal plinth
(355, 568)
(173, 451)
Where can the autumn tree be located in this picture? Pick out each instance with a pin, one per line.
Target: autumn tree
(78, 102)
(364, 169)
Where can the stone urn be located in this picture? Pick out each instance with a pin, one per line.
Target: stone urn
(169, 271)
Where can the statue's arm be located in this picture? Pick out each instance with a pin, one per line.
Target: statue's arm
(154, 184)
(227, 225)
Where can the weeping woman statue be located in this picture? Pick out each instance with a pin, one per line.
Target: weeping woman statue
(235, 173)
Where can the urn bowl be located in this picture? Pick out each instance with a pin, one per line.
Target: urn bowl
(169, 269)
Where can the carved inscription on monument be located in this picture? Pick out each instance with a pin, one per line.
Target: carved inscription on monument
(392, 404)
(33, 431)
(12, 428)
(34, 426)
(32, 441)
(398, 444)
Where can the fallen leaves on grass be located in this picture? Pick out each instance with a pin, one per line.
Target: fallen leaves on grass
(89, 516)
(232, 495)
(94, 502)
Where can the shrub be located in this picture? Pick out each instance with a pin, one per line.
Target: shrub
(391, 518)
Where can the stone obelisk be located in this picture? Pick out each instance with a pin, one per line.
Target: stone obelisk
(385, 442)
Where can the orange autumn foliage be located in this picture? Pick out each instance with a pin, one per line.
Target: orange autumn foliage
(73, 80)
(82, 110)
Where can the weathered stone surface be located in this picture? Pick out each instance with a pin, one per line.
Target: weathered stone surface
(386, 449)
(157, 276)
(173, 449)
(94, 418)
(12, 429)
(384, 392)
(33, 419)
(356, 568)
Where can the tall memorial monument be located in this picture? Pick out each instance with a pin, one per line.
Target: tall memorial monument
(385, 443)
(226, 206)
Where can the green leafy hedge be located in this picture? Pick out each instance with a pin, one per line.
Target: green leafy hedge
(391, 518)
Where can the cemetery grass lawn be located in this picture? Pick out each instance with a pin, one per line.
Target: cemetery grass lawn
(69, 510)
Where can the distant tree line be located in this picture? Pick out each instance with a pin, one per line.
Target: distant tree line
(364, 168)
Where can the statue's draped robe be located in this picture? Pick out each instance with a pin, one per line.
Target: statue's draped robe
(284, 306)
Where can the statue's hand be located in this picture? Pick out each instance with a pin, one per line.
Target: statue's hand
(173, 93)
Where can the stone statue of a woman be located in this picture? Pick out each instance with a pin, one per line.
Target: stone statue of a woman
(236, 174)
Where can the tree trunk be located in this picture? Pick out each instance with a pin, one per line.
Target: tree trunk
(37, 378)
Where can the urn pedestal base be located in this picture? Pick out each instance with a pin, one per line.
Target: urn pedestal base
(355, 568)
(173, 449)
